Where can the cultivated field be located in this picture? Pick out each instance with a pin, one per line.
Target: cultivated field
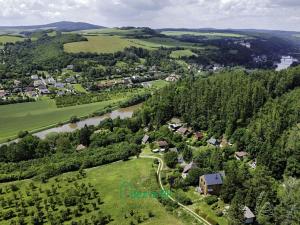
(206, 34)
(36, 115)
(113, 43)
(99, 44)
(107, 180)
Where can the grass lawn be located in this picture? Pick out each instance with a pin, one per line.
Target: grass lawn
(79, 88)
(10, 39)
(181, 53)
(107, 181)
(206, 34)
(36, 115)
(158, 84)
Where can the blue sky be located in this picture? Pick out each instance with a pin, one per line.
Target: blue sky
(262, 14)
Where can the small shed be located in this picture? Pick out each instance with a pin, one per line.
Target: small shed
(248, 215)
(145, 139)
(240, 155)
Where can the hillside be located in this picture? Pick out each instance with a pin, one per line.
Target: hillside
(59, 26)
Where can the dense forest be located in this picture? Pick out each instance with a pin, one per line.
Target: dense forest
(260, 112)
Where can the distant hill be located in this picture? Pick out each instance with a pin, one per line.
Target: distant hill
(60, 26)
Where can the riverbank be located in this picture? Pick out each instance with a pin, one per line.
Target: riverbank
(28, 118)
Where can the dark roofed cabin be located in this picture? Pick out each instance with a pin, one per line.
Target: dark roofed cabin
(211, 183)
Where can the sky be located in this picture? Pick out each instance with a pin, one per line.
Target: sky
(256, 14)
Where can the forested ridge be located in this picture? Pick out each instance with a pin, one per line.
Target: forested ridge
(258, 111)
(254, 109)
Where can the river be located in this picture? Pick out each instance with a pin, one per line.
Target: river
(123, 113)
(285, 62)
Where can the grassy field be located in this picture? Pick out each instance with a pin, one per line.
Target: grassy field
(181, 53)
(36, 115)
(112, 43)
(10, 39)
(107, 181)
(79, 88)
(99, 44)
(206, 34)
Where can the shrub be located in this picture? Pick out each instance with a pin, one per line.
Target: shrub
(211, 199)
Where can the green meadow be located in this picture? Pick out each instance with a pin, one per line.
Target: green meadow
(181, 53)
(107, 181)
(99, 44)
(102, 43)
(10, 39)
(43, 113)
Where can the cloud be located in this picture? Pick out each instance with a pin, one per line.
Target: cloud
(268, 14)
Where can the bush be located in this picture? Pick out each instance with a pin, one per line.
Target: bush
(211, 199)
(22, 134)
(219, 213)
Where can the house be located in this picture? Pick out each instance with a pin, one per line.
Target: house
(50, 81)
(198, 136)
(44, 91)
(211, 183)
(183, 131)
(174, 126)
(59, 85)
(248, 215)
(187, 169)
(71, 80)
(17, 83)
(80, 147)
(173, 78)
(34, 77)
(180, 159)
(70, 67)
(213, 141)
(240, 155)
(37, 83)
(145, 139)
(2, 93)
(173, 150)
(163, 144)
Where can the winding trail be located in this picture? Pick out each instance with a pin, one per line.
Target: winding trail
(187, 209)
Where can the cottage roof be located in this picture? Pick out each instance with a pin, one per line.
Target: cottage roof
(182, 130)
(241, 154)
(145, 138)
(80, 147)
(248, 214)
(212, 141)
(189, 166)
(213, 179)
(198, 135)
(163, 143)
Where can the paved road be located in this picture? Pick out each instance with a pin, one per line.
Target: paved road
(187, 209)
